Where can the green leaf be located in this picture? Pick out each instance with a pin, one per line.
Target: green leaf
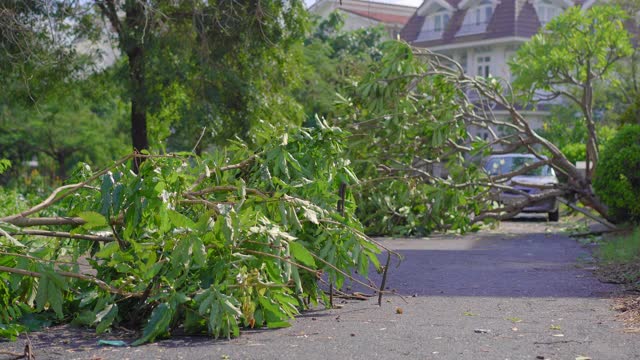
(180, 220)
(105, 318)
(50, 292)
(301, 254)
(278, 324)
(112, 342)
(107, 250)
(105, 191)
(273, 310)
(11, 331)
(93, 220)
(199, 251)
(158, 324)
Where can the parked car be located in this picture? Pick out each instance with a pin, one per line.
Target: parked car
(544, 175)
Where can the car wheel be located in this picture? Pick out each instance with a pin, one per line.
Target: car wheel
(554, 215)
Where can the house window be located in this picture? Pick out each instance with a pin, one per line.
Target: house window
(477, 18)
(483, 14)
(484, 66)
(434, 25)
(440, 22)
(546, 11)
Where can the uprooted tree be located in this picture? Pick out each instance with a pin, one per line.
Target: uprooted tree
(414, 112)
(239, 239)
(244, 236)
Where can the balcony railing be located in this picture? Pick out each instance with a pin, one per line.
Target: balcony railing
(429, 35)
(470, 29)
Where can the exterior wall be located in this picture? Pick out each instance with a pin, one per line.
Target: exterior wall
(499, 55)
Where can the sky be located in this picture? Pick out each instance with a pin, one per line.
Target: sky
(399, 2)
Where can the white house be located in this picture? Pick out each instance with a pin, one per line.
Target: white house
(482, 35)
(362, 14)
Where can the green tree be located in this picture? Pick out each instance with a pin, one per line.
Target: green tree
(575, 51)
(212, 34)
(78, 121)
(335, 60)
(216, 64)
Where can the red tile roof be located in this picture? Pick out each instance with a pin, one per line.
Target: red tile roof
(385, 18)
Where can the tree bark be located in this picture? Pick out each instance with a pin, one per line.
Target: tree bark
(131, 36)
(134, 48)
(61, 159)
(592, 136)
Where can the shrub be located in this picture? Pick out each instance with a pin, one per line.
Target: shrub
(575, 152)
(617, 178)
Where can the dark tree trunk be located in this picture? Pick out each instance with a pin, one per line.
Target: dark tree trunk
(138, 99)
(61, 159)
(133, 40)
(131, 35)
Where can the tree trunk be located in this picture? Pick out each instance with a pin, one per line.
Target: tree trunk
(592, 136)
(61, 159)
(138, 99)
(133, 39)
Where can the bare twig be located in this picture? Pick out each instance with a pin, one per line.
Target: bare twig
(384, 278)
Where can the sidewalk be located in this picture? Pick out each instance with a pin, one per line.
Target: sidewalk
(517, 293)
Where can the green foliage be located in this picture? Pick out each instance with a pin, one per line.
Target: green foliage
(226, 67)
(201, 244)
(79, 121)
(591, 39)
(334, 61)
(400, 119)
(4, 165)
(575, 152)
(617, 179)
(566, 129)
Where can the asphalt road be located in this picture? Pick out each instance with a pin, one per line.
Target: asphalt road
(519, 292)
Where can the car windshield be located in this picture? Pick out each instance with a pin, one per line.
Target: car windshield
(508, 164)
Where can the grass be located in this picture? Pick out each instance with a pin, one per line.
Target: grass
(619, 259)
(621, 250)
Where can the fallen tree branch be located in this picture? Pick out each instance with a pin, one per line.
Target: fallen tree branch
(101, 284)
(589, 215)
(62, 234)
(64, 191)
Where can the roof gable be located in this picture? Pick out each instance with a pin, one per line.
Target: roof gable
(423, 10)
(510, 18)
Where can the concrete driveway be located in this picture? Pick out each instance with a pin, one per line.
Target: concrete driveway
(518, 292)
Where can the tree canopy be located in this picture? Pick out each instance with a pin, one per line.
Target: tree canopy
(576, 49)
